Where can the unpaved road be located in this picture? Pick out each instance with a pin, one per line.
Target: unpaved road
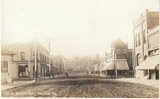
(83, 87)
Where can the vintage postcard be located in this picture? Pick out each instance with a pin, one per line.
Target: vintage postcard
(80, 48)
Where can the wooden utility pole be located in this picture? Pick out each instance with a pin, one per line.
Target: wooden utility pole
(115, 65)
(134, 55)
(35, 62)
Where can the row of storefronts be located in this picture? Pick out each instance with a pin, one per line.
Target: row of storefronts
(143, 60)
(118, 63)
(26, 61)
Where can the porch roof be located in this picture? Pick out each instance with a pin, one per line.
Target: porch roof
(119, 64)
(150, 63)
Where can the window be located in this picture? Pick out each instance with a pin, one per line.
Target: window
(150, 53)
(4, 66)
(155, 52)
(145, 57)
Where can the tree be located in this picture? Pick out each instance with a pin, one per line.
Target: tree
(83, 64)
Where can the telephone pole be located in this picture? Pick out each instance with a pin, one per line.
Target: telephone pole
(115, 65)
(35, 62)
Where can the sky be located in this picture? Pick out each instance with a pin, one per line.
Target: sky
(76, 27)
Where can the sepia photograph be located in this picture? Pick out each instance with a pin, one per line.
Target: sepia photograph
(80, 48)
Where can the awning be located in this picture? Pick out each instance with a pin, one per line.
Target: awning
(108, 66)
(119, 64)
(141, 67)
(150, 63)
(22, 62)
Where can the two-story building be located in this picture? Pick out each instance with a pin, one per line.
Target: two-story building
(146, 45)
(32, 59)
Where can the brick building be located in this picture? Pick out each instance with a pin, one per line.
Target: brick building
(146, 45)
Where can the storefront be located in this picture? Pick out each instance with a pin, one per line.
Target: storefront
(120, 65)
(23, 70)
(149, 69)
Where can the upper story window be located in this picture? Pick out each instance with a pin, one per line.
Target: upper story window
(153, 52)
(156, 52)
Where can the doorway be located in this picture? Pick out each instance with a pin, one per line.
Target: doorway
(22, 71)
(157, 74)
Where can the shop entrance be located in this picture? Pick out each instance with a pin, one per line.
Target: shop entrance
(23, 71)
(157, 74)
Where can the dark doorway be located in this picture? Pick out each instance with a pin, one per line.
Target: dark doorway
(138, 58)
(157, 74)
(150, 73)
(22, 71)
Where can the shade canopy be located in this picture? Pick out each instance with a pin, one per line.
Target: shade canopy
(119, 64)
(150, 63)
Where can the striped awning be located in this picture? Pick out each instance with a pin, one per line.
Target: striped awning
(119, 64)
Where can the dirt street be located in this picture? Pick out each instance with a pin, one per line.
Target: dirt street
(83, 87)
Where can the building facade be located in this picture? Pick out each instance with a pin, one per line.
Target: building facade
(9, 69)
(120, 50)
(29, 54)
(146, 45)
(119, 62)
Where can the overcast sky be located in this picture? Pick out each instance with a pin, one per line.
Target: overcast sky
(77, 27)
